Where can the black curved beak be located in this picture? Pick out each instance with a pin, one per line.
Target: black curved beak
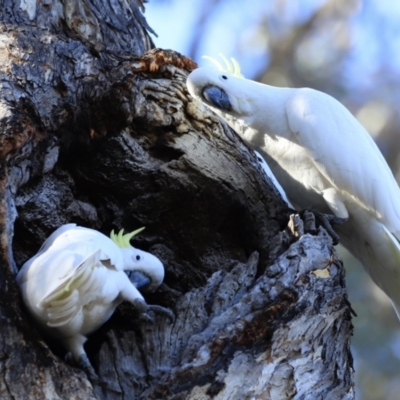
(138, 279)
(217, 97)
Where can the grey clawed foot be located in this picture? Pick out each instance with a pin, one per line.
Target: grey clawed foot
(162, 310)
(146, 318)
(84, 363)
(140, 305)
(144, 308)
(326, 221)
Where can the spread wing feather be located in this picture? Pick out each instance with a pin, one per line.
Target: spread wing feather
(70, 241)
(64, 302)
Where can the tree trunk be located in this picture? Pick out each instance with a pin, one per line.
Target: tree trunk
(94, 134)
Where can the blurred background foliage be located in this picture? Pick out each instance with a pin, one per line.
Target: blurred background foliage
(347, 48)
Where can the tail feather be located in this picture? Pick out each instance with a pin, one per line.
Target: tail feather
(394, 243)
(395, 249)
(396, 309)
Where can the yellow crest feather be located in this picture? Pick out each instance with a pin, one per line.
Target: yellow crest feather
(122, 240)
(231, 67)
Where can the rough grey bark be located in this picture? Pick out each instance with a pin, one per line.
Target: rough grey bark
(91, 133)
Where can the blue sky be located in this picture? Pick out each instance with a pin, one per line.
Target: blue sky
(232, 30)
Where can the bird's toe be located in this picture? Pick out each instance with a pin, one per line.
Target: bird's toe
(164, 311)
(140, 305)
(84, 363)
(145, 317)
(326, 221)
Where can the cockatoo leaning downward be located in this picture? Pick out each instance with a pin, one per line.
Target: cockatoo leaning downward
(77, 279)
(323, 158)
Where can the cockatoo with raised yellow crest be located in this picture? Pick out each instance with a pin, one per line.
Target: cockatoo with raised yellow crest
(321, 155)
(77, 279)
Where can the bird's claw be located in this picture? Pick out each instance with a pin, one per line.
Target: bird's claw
(145, 317)
(162, 310)
(334, 220)
(140, 305)
(326, 221)
(144, 309)
(84, 363)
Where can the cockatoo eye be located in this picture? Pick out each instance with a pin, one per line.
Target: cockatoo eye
(224, 77)
(138, 257)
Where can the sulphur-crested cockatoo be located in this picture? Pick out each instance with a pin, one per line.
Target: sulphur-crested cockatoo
(323, 158)
(77, 279)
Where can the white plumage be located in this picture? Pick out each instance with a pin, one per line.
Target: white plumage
(77, 279)
(323, 158)
(272, 177)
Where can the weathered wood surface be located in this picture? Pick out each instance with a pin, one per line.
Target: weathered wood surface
(90, 133)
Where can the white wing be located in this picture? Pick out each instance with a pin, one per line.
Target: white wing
(55, 235)
(87, 241)
(66, 296)
(51, 270)
(21, 277)
(81, 242)
(345, 153)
